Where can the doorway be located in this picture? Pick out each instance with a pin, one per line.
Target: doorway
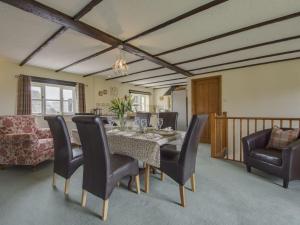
(206, 99)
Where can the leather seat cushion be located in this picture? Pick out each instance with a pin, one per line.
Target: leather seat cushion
(271, 156)
(76, 152)
(122, 165)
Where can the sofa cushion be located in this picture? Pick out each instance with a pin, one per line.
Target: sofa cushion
(280, 139)
(44, 144)
(272, 156)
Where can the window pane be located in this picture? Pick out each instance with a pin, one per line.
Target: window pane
(52, 93)
(36, 92)
(68, 106)
(67, 94)
(36, 106)
(53, 107)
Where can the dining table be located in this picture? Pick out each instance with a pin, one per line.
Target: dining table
(143, 146)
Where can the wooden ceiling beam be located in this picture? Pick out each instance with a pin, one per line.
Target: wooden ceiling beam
(171, 84)
(166, 86)
(146, 78)
(134, 73)
(250, 65)
(160, 26)
(216, 65)
(86, 58)
(178, 18)
(245, 60)
(268, 22)
(239, 49)
(61, 30)
(110, 68)
(230, 33)
(157, 82)
(56, 16)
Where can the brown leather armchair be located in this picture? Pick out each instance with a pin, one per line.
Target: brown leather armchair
(283, 163)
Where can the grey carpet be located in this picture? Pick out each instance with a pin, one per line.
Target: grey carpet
(226, 195)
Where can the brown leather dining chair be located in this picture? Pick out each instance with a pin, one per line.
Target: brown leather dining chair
(143, 115)
(169, 119)
(66, 157)
(102, 170)
(180, 165)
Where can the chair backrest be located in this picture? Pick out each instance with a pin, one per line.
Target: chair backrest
(96, 153)
(169, 119)
(62, 143)
(143, 115)
(16, 124)
(187, 159)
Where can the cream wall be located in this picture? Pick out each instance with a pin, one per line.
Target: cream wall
(8, 85)
(161, 104)
(266, 90)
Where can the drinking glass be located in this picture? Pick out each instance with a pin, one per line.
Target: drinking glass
(144, 125)
(160, 122)
(111, 122)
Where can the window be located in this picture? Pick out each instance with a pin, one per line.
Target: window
(140, 102)
(48, 99)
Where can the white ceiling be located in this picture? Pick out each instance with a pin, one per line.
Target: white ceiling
(22, 32)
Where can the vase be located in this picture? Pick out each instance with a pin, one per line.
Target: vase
(122, 122)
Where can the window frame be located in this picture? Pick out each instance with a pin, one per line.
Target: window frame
(61, 99)
(145, 106)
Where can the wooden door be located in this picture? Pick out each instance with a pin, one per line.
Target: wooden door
(206, 98)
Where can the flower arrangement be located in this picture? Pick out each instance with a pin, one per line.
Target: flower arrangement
(121, 106)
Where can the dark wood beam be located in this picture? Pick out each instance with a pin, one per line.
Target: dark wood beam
(61, 30)
(56, 16)
(141, 71)
(171, 84)
(160, 26)
(181, 85)
(240, 30)
(43, 45)
(178, 18)
(250, 65)
(215, 65)
(245, 60)
(146, 78)
(86, 58)
(109, 68)
(268, 22)
(240, 49)
(157, 82)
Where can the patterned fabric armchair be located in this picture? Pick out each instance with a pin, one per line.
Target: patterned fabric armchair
(22, 142)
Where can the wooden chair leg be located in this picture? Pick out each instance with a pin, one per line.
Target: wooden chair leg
(54, 180)
(162, 176)
(67, 182)
(137, 183)
(193, 182)
(147, 178)
(182, 195)
(105, 209)
(83, 198)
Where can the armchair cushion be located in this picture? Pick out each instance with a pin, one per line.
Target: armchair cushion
(280, 139)
(22, 142)
(43, 133)
(272, 156)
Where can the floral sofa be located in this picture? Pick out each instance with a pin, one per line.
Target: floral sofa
(22, 142)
